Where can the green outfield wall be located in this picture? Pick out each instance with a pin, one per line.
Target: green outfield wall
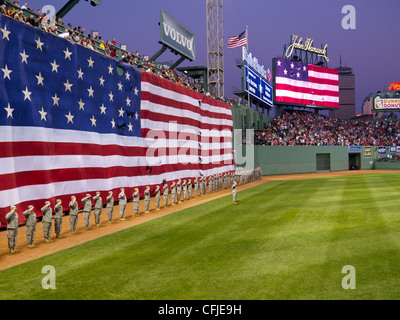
(387, 158)
(301, 159)
(276, 160)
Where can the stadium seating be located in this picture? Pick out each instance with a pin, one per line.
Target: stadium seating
(309, 129)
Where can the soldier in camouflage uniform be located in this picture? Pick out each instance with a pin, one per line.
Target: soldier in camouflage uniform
(211, 184)
(201, 185)
(58, 209)
(73, 214)
(147, 199)
(30, 226)
(196, 187)
(87, 209)
(122, 204)
(12, 228)
(98, 207)
(110, 206)
(157, 197)
(184, 188)
(234, 192)
(189, 185)
(173, 193)
(179, 190)
(47, 221)
(165, 194)
(136, 199)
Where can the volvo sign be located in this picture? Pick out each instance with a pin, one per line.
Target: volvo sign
(177, 37)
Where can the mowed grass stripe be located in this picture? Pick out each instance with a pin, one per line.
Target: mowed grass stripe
(284, 240)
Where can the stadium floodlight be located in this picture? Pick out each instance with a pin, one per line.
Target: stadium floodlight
(72, 3)
(95, 2)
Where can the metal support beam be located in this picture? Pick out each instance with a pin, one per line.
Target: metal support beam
(158, 53)
(66, 8)
(177, 63)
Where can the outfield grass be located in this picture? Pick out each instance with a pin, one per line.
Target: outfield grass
(283, 240)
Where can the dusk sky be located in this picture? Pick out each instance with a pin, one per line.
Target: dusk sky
(372, 49)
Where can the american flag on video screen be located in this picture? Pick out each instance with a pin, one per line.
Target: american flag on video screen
(73, 121)
(306, 84)
(237, 41)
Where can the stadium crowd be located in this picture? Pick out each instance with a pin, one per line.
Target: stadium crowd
(94, 41)
(300, 128)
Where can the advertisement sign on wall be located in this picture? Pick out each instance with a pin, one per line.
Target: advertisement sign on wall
(257, 86)
(386, 103)
(176, 36)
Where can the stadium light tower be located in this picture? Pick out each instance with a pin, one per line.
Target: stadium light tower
(215, 47)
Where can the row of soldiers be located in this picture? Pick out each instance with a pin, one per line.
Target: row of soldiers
(180, 191)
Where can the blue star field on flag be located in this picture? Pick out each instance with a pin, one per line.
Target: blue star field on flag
(294, 70)
(54, 83)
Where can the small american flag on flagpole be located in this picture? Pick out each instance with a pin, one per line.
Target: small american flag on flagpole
(238, 41)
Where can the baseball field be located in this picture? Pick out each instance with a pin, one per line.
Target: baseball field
(285, 239)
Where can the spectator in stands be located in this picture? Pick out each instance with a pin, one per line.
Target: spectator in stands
(113, 52)
(75, 37)
(32, 21)
(53, 29)
(107, 50)
(66, 35)
(60, 21)
(19, 15)
(93, 45)
(102, 46)
(150, 67)
(44, 21)
(84, 42)
(3, 9)
(126, 57)
(90, 44)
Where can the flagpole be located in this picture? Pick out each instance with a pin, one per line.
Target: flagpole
(248, 84)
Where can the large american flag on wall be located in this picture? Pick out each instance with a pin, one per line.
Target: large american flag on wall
(73, 121)
(305, 84)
